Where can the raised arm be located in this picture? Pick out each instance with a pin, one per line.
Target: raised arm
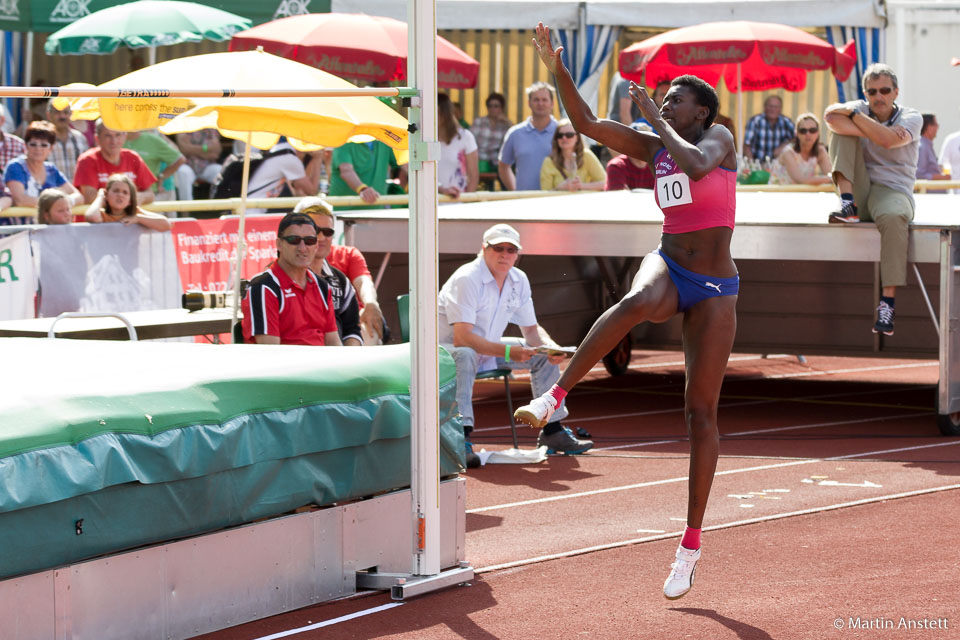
(619, 137)
(715, 148)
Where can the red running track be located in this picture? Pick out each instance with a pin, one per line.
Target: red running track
(834, 503)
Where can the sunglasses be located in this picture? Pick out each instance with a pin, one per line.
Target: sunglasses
(326, 231)
(567, 134)
(884, 91)
(38, 144)
(500, 248)
(307, 240)
(803, 130)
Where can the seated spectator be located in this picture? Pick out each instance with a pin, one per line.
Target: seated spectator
(117, 202)
(873, 154)
(489, 130)
(349, 260)
(26, 176)
(801, 159)
(95, 165)
(624, 172)
(768, 133)
(283, 173)
(363, 169)
(288, 303)
(202, 151)
(70, 143)
(344, 297)
(457, 170)
(473, 316)
(927, 166)
(53, 207)
(570, 167)
(162, 158)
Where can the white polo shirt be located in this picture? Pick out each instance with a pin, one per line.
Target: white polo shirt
(471, 295)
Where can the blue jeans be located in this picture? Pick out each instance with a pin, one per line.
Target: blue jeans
(543, 375)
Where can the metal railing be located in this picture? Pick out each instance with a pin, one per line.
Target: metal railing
(233, 204)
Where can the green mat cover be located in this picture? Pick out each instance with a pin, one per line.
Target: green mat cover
(146, 442)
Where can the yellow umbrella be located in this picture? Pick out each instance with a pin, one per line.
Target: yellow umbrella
(308, 122)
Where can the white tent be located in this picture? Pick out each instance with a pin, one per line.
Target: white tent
(565, 14)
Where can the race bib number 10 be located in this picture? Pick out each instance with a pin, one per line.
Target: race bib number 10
(674, 190)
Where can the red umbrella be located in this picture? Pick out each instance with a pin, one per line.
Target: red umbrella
(755, 55)
(354, 45)
(768, 55)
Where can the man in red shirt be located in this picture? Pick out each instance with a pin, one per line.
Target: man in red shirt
(95, 165)
(287, 303)
(350, 261)
(624, 172)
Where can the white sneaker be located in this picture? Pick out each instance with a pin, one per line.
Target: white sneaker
(538, 412)
(680, 579)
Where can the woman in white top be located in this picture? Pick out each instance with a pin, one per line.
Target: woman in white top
(458, 169)
(802, 159)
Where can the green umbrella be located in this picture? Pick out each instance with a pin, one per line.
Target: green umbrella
(146, 23)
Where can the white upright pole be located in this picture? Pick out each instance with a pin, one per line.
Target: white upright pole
(424, 377)
(241, 231)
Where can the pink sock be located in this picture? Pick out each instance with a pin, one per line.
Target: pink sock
(558, 393)
(691, 539)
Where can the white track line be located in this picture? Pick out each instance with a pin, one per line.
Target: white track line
(717, 527)
(721, 406)
(800, 374)
(327, 623)
(773, 430)
(652, 483)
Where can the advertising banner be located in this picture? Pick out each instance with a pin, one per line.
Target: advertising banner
(18, 277)
(206, 249)
(104, 268)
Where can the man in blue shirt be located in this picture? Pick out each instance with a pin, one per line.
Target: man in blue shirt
(769, 132)
(528, 143)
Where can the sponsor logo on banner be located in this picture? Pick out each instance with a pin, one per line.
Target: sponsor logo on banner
(18, 278)
(701, 55)
(69, 10)
(291, 8)
(368, 69)
(9, 10)
(206, 249)
(781, 56)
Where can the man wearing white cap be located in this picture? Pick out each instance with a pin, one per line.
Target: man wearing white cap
(475, 306)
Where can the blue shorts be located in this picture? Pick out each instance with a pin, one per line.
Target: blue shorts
(693, 287)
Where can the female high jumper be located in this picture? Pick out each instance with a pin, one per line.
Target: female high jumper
(691, 272)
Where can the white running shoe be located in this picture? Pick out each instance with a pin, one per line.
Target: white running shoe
(680, 579)
(538, 412)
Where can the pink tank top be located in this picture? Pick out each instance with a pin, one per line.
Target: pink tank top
(692, 206)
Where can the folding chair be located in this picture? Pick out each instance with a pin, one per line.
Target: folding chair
(403, 311)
